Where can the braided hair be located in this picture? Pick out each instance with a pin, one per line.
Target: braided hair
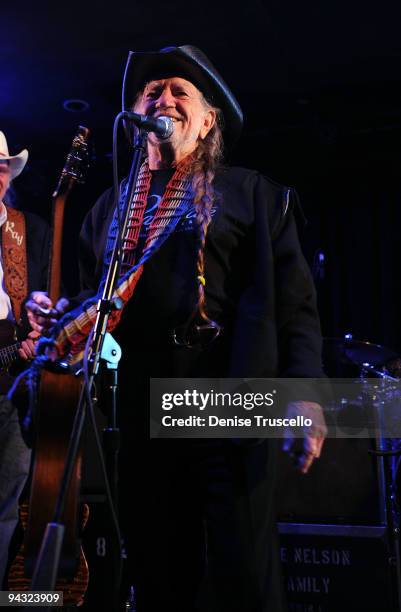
(205, 161)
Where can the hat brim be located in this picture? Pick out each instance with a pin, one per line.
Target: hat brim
(189, 63)
(17, 162)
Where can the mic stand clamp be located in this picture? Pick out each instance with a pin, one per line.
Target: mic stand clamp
(111, 355)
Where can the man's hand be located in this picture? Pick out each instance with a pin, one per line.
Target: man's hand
(28, 346)
(42, 315)
(305, 450)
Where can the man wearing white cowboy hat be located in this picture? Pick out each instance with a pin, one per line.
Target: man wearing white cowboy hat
(28, 236)
(214, 285)
(16, 163)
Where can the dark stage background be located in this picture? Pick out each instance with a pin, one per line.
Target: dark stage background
(320, 86)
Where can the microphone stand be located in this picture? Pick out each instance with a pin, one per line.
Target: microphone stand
(46, 567)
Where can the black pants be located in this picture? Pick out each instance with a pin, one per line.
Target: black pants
(198, 518)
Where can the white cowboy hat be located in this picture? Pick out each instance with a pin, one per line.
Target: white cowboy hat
(17, 162)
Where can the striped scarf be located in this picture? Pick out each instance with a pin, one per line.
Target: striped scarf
(70, 333)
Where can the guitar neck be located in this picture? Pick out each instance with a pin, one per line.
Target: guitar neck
(54, 277)
(72, 173)
(9, 354)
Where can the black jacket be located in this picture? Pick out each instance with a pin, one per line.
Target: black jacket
(258, 286)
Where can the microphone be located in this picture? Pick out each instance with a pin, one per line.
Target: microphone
(162, 126)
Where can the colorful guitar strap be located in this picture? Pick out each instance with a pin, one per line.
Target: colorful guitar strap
(70, 334)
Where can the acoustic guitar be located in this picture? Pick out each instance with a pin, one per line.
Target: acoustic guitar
(54, 416)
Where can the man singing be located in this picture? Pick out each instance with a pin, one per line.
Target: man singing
(214, 284)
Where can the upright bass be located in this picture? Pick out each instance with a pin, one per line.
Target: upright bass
(54, 415)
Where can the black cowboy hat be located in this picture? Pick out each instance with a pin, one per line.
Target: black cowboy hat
(190, 63)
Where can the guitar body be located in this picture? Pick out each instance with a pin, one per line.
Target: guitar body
(7, 334)
(59, 393)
